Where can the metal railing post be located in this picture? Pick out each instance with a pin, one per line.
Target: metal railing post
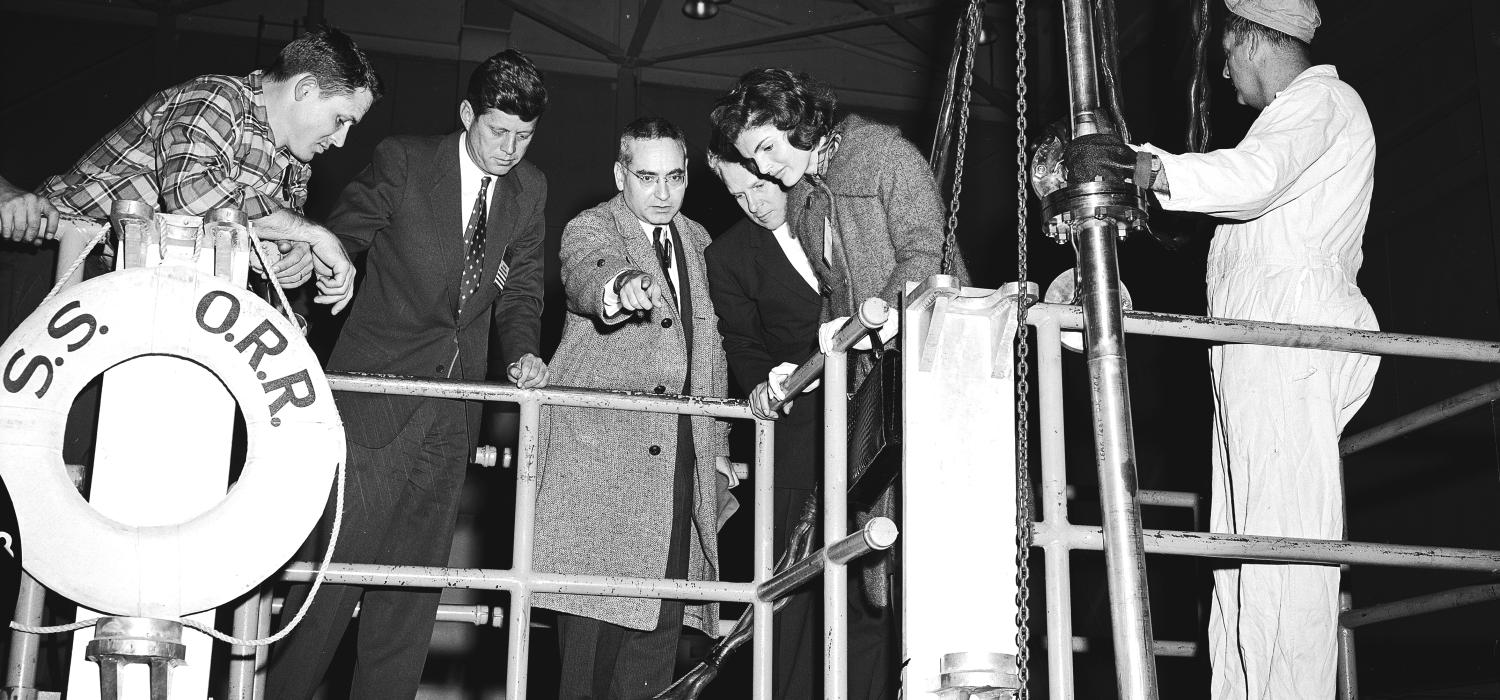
(1348, 671)
(20, 671)
(241, 681)
(765, 556)
(835, 522)
(519, 640)
(1058, 565)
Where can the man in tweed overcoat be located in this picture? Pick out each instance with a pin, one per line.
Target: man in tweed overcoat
(629, 493)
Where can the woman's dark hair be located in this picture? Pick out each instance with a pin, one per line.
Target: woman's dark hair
(792, 102)
(331, 57)
(508, 81)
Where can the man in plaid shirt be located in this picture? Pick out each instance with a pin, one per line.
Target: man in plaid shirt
(219, 141)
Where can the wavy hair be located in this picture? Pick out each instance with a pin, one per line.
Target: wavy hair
(792, 102)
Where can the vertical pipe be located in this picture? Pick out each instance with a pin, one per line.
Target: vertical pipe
(1083, 84)
(262, 653)
(519, 647)
(835, 523)
(20, 672)
(1348, 676)
(1114, 443)
(1059, 570)
(241, 681)
(765, 514)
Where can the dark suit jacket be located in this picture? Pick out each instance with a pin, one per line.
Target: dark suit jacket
(404, 210)
(769, 315)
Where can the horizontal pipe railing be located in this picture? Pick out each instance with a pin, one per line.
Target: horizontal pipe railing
(1419, 605)
(572, 397)
(1280, 549)
(1421, 418)
(506, 580)
(1227, 330)
(877, 534)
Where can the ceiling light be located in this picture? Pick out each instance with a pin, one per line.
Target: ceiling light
(699, 9)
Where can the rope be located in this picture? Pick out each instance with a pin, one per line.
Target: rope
(62, 281)
(286, 307)
(1023, 387)
(312, 592)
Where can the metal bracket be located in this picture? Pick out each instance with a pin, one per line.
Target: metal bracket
(936, 292)
(136, 640)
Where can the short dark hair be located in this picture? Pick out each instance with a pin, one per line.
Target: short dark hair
(508, 81)
(646, 129)
(334, 61)
(793, 102)
(1237, 28)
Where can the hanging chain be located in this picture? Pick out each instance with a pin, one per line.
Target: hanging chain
(971, 40)
(1023, 386)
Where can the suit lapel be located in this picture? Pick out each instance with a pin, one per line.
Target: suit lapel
(638, 248)
(447, 223)
(774, 265)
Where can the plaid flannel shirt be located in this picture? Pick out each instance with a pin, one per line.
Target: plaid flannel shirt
(200, 145)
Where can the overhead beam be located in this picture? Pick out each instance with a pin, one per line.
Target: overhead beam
(834, 41)
(567, 28)
(909, 32)
(643, 28)
(676, 53)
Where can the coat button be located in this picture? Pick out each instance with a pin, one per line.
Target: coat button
(655, 450)
(439, 369)
(660, 389)
(666, 323)
(600, 263)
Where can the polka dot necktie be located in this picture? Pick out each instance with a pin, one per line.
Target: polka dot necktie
(474, 260)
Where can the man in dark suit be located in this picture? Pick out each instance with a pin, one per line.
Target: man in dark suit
(624, 493)
(454, 231)
(767, 298)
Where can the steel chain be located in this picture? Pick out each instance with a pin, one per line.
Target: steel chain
(971, 40)
(1023, 387)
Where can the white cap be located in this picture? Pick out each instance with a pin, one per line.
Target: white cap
(1298, 18)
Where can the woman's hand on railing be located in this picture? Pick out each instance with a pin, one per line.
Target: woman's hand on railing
(771, 393)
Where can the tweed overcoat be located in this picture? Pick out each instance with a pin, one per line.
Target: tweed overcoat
(604, 498)
(881, 204)
(886, 214)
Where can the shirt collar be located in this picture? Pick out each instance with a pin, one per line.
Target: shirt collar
(650, 229)
(294, 173)
(467, 168)
(1322, 70)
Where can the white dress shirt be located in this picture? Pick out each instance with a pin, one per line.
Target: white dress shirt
(794, 253)
(469, 176)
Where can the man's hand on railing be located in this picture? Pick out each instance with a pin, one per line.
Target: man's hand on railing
(827, 331)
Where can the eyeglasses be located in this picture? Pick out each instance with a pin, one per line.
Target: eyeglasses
(673, 179)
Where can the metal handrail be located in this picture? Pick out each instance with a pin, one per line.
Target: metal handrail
(1056, 536)
(1421, 418)
(1229, 330)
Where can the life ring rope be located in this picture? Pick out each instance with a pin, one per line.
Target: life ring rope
(312, 592)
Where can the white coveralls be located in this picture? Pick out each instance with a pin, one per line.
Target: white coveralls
(1298, 187)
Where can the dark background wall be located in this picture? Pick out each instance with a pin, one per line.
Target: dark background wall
(1429, 78)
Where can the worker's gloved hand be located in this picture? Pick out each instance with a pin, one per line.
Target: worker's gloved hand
(1095, 156)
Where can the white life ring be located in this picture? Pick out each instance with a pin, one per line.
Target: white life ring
(294, 447)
